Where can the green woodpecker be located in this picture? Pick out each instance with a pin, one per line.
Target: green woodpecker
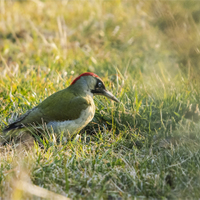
(68, 110)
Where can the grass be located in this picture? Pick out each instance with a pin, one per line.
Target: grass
(147, 53)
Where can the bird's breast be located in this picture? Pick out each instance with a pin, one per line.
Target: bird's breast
(72, 126)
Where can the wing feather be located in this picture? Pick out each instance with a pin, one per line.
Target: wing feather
(60, 106)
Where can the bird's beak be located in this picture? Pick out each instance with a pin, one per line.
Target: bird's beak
(109, 95)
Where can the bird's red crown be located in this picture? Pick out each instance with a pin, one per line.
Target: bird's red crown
(85, 74)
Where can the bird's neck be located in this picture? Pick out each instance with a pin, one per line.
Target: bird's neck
(81, 88)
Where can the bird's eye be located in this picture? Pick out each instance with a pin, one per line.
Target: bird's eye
(99, 84)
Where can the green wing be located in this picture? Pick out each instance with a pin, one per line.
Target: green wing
(58, 107)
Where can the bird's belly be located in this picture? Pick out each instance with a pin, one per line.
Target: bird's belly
(69, 127)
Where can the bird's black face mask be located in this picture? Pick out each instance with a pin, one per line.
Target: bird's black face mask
(100, 89)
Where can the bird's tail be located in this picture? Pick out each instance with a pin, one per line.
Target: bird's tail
(12, 126)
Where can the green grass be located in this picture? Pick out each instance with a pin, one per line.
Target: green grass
(147, 53)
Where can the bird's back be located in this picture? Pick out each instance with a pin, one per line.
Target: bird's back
(59, 107)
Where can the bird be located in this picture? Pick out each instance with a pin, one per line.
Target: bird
(68, 110)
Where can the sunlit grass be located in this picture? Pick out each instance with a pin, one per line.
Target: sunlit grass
(147, 53)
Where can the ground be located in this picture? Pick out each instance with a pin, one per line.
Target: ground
(147, 53)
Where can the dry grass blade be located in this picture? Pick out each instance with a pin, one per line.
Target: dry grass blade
(37, 191)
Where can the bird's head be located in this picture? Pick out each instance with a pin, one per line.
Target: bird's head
(92, 84)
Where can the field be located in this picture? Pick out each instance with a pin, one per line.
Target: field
(148, 55)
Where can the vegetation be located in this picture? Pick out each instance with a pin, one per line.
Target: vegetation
(147, 53)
